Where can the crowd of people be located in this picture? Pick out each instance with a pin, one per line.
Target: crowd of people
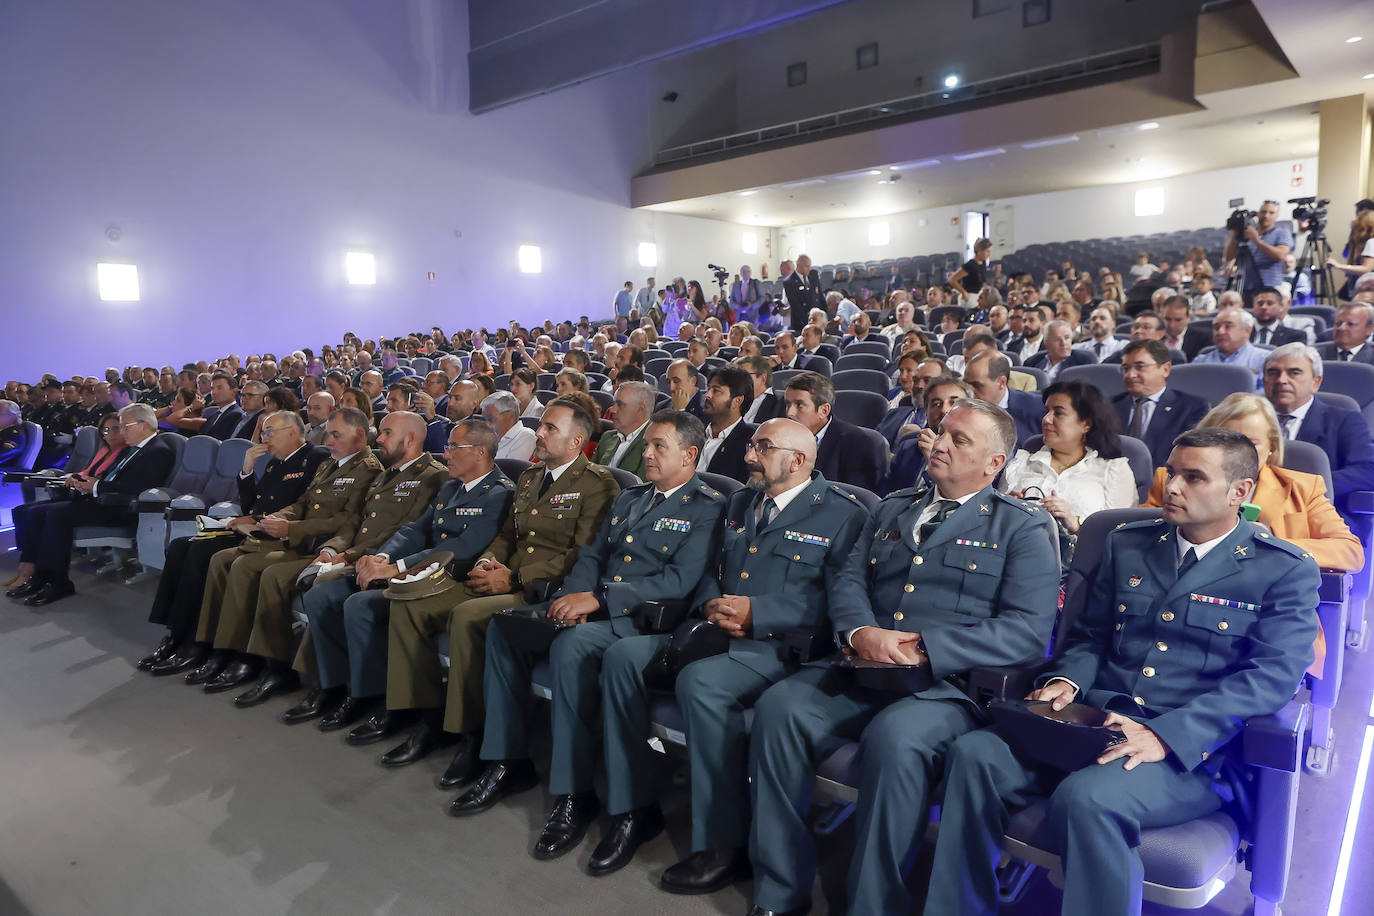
(372, 499)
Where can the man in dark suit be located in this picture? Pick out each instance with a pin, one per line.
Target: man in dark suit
(223, 417)
(683, 388)
(766, 405)
(1179, 692)
(146, 463)
(1350, 336)
(843, 453)
(1058, 353)
(895, 280)
(786, 355)
(987, 374)
(1271, 320)
(251, 403)
(728, 393)
(802, 288)
(1149, 410)
(1178, 333)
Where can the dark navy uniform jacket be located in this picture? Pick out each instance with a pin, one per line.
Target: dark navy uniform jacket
(462, 521)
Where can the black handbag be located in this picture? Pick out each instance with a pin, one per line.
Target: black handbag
(692, 641)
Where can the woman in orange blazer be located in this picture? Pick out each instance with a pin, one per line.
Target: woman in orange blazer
(1293, 504)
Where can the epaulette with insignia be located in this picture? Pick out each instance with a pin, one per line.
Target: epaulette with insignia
(710, 491)
(845, 494)
(1265, 539)
(1140, 524)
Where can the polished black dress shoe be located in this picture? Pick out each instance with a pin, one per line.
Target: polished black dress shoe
(499, 779)
(187, 660)
(343, 715)
(271, 684)
(567, 824)
(628, 832)
(317, 700)
(376, 727)
(165, 650)
(209, 669)
(707, 871)
(422, 740)
(799, 911)
(465, 765)
(31, 585)
(53, 591)
(235, 675)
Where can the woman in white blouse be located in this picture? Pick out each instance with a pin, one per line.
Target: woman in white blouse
(523, 384)
(1080, 469)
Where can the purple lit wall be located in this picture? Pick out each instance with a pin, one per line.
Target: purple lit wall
(240, 148)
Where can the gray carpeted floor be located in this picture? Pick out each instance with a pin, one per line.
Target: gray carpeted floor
(128, 794)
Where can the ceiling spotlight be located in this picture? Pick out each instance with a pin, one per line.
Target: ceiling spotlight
(1148, 125)
(951, 81)
(1354, 38)
(1368, 76)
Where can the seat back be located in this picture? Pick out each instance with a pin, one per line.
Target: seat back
(422, 365)
(875, 347)
(194, 465)
(1106, 377)
(1304, 456)
(726, 485)
(1341, 401)
(1353, 379)
(513, 467)
(625, 478)
(859, 360)
(222, 484)
(862, 380)
(33, 444)
(85, 443)
(1212, 381)
(1092, 536)
(862, 408)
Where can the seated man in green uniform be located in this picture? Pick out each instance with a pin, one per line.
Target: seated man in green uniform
(1196, 622)
(955, 577)
(656, 544)
(783, 542)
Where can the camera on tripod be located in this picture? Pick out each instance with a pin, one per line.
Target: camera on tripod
(722, 274)
(1241, 219)
(1310, 213)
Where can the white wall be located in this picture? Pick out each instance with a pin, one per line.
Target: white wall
(1190, 202)
(241, 147)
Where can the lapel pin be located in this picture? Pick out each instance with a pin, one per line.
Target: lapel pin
(983, 508)
(1134, 581)
(1241, 551)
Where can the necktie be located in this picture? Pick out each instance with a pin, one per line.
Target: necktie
(1283, 424)
(548, 482)
(119, 465)
(1188, 562)
(1173, 343)
(1264, 335)
(946, 508)
(1097, 348)
(767, 512)
(1346, 355)
(1137, 424)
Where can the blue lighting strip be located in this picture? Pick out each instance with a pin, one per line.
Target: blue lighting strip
(1352, 821)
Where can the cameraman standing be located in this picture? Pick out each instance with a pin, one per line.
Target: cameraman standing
(1261, 256)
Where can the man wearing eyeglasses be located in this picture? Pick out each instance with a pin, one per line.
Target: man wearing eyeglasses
(1148, 409)
(146, 463)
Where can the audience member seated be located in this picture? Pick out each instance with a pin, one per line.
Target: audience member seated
(987, 374)
(905, 414)
(785, 354)
(1178, 333)
(1148, 409)
(1272, 323)
(1101, 341)
(729, 393)
(1350, 335)
(106, 500)
(1058, 352)
(1231, 329)
(624, 447)
(569, 381)
(917, 592)
(843, 453)
(907, 467)
(1178, 718)
(1080, 468)
(1145, 326)
(766, 405)
(683, 381)
(1032, 336)
(502, 412)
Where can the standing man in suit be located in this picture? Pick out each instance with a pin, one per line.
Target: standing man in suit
(842, 452)
(1350, 336)
(1058, 353)
(1179, 334)
(146, 463)
(955, 577)
(987, 374)
(766, 405)
(729, 392)
(655, 545)
(745, 295)
(682, 388)
(645, 298)
(1271, 320)
(784, 540)
(349, 627)
(182, 585)
(1241, 654)
(624, 449)
(1148, 409)
(802, 290)
(574, 496)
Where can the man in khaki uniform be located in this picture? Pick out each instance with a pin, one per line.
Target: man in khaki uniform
(333, 500)
(558, 508)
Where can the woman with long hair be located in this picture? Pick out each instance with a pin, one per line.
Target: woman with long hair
(1359, 252)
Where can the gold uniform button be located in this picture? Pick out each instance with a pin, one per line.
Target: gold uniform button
(1205, 755)
(1162, 646)
(1223, 625)
(444, 535)
(1167, 616)
(529, 550)
(796, 556)
(627, 558)
(1147, 671)
(898, 616)
(315, 506)
(534, 512)
(872, 561)
(1121, 608)
(1139, 701)
(629, 539)
(919, 560)
(665, 548)
(753, 550)
(744, 575)
(372, 515)
(624, 610)
(363, 530)
(973, 566)
(908, 587)
(318, 491)
(616, 579)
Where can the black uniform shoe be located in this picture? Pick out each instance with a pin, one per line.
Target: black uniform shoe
(499, 779)
(31, 585)
(316, 701)
(378, 726)
(188, 660)
(235, 675)
(165, 650)
(343, 715)
(465, 764)
(422, 740)
(210, 669)
(707, 871)
(271, 684)
(628, 832)
(567, 824)
(53, 591)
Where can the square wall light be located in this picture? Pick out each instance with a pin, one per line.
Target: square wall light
(648, 254)
(360, 268)
(531, 262)
(1149, 202)
(879, 234)
(750, 243)
(117, 282)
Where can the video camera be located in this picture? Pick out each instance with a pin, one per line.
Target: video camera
(1310, 213)
(1241, 219)
(721, 273)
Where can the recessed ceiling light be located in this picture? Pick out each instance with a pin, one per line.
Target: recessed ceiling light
(1354, 38)
(1148, 125)
(980, 154)
(748, 193)
(918, 164)
(875, 171)
(1052, 141)
(1368, 76)
(953, 79)
(804, 184)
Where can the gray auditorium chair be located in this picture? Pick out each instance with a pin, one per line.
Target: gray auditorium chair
(1355, 380)
(1212, 381)
(725, 485)
(544, 381)
(1042, 380)
(873, 347)
(862, 408)
(862, 380)
(422, 365)
(194, 467)
(85, 443)
(874, 361)
(1340, 401)
(1106, 377)
(218, 496)
(625, 478)
(123, 538)
(513, 467)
